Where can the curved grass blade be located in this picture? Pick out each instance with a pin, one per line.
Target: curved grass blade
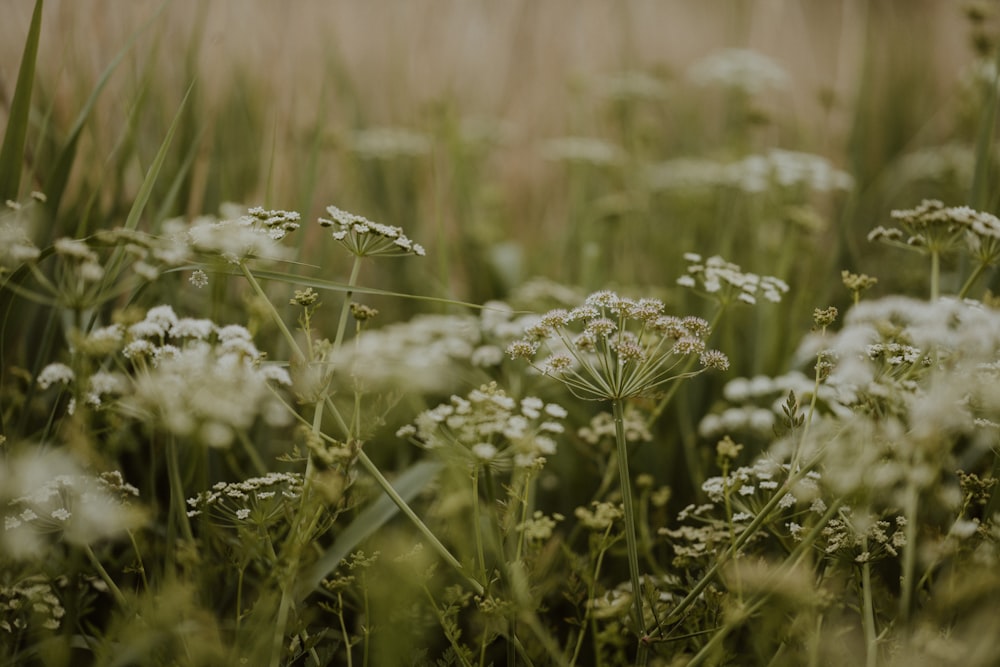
(333, 286)
(55, 184)
(12, 151)
(365, 524)
(145, 190)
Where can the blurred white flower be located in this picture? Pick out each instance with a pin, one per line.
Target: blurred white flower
(749, 71)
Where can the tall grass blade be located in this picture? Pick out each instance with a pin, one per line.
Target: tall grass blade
(55, 184)
(371, 519)
(145, 190)
(12, 151)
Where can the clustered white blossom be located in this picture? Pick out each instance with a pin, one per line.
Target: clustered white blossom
(199, 379)
(756, 404)
(752, 174)
(947, 163)
(613, 347)
(897, 337)
(727, 282)
(202, 380)
(364, 238)
(539, 527)
(602, 427)
(16, 246)
(859, 537)
(925, 397)
(29, 602)
(85, 263)
(750, 487)
(421, 354)
(631, 85)
(79, 507)
(254, 234)
(933, 227)
(862, 539)
(385, 143)
(749, 71)
(588, 150)
(257, 502)
(489, 427)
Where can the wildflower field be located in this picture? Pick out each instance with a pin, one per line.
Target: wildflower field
(499, 333)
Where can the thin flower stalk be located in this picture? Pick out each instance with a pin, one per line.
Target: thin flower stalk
(790, 563)
(868, 609)
(762, 517)
(442, 550)
(614, 348)
(625, 482)
(112, 586)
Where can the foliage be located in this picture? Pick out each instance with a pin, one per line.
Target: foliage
(236, 434)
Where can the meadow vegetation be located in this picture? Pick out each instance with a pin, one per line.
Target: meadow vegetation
(521, 333)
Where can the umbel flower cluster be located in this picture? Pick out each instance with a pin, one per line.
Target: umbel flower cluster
(727, 282)
(489, 427)
(613, 347)
(933, 226)
(365, 238)
(258, 501)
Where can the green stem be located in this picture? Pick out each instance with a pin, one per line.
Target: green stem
(138, 558)
(274, 313)
(591, 593)
(972, 280)
(935, 275)
(343, 628)
(112, 586)
(442, 550)
(910, 501)
(345, 309)
(477, 524)
(177, 491)
(871, 639)
(762, 516)
(630, 539)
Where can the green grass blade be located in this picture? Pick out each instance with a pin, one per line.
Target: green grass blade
(371, 519)
(333, 286)
(979, 193)
(145, 190)
(12, 151)
(55, 184)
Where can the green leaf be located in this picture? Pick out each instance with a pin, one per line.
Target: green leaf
(12, 151)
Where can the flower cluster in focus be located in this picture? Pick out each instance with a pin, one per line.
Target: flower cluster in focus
(614, 347)
(364, 238)
(489, 427)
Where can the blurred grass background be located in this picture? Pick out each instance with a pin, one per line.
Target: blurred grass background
(439, 116)
(444, 117)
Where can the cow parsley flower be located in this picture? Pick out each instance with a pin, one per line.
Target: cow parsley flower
(749, 71)
(254, 234)
(727, 283)
(488, 426)
(65, 503)
(613, 347)
(29, 603)
(586, 150)
(364, 238)
(386, 143)
(200, 380)
(259, 501)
